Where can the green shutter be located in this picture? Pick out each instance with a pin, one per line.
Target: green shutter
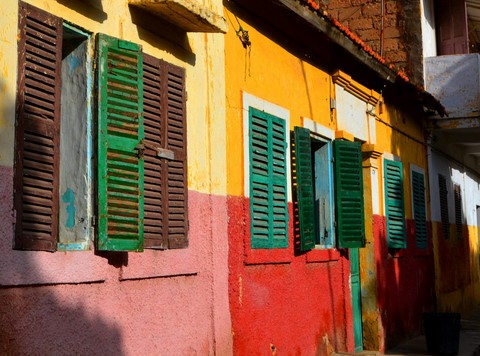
(349, 194)
(396, 235)
(419, 210)
(120, 137)
(268, 181)
(305, 198)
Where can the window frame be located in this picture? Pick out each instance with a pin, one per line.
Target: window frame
(345, 154)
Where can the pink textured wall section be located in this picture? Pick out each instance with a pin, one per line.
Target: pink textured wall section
(153, 303)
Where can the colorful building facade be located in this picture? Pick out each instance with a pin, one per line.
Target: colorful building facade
(437, 44)
(103, 154)
(327, 183)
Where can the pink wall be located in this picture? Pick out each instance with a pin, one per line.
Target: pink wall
(157, 302)
(282, 301)
(406, 284)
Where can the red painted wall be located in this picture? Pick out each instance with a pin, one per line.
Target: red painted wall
(282, 301)
(405, 283)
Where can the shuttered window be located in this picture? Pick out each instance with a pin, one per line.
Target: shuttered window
(419, 209)
(315, 192)
(394, 204)
(268, 180)
(37, 129)
(141, 157)
(165, 221)
(457, 190)
(443, 192)
(349, 194)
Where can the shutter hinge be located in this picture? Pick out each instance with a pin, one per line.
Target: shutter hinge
(93, 220)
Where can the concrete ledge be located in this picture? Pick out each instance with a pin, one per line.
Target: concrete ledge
(185, 14)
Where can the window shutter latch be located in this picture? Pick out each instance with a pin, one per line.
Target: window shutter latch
(161, 152)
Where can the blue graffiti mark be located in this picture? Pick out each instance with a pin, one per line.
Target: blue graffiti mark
(69, 198)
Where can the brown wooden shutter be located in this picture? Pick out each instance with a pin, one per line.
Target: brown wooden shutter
(176, 141)
(165, 219)
(154, 182)
(37, 129)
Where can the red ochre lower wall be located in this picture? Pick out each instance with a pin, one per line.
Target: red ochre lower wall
(405, 284)
(285, 302)
(288, 302)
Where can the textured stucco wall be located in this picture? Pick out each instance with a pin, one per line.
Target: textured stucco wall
(281, 301)
(300, 306)
(270, 288)
(170, 302)
(456, 259)
(406, 286)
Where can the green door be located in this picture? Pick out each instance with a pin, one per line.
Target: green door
(356, 299)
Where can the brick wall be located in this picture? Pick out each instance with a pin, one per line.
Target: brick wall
(401, 43)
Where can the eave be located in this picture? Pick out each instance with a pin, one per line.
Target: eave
(187, 15)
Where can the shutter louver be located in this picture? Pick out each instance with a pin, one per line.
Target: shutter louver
(393, 172)
(349, 194)
(305, 194)
(120, 134)
(442, 187)
(268, 184)
(419, 210)
(38, 129)
(176, 141)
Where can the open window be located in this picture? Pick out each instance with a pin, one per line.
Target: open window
(329, 192)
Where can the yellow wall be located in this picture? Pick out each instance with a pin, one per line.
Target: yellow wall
(273, 74)
(204, 64)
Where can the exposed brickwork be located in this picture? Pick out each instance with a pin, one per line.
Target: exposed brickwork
(398, 40)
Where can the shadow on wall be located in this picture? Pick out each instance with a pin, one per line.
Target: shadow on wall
(53, 319)
(405, 277)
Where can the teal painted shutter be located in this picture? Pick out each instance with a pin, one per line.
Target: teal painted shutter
(324, 202)
(349, 194)
(120, 135)
(305, 199)
(393, 173)
(268, 181)
(419, 210)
